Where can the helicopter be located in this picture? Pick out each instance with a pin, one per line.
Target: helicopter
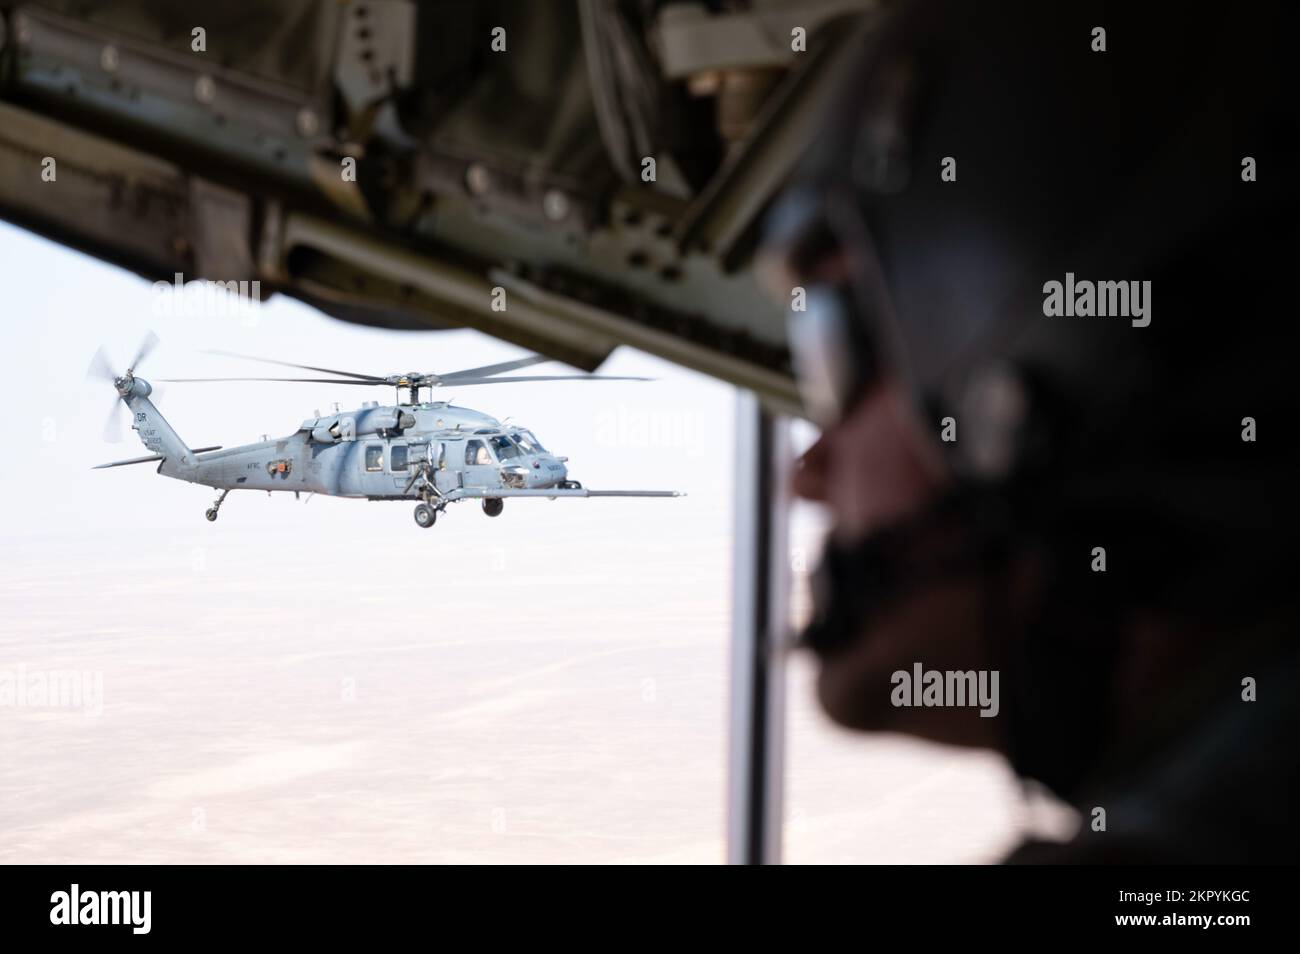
(429, 451)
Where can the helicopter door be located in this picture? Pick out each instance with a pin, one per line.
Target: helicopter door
(398, 464)
(446, 474)
(481, 469)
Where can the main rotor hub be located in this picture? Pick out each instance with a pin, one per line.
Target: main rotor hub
(414, 379)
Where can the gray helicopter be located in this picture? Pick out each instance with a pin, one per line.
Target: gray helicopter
(430, 451)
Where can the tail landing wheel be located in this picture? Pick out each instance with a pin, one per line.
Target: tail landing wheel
(425, 516)
(211, 512)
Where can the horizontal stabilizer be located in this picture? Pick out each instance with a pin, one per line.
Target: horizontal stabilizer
(151, 457)
(133, 460)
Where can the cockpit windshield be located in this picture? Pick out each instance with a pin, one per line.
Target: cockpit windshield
(505, 448)
(528, 442)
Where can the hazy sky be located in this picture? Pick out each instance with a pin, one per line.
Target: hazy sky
(325, 681)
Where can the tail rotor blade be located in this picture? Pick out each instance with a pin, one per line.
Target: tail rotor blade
(101, 368)
(113, 424)
(146, 346)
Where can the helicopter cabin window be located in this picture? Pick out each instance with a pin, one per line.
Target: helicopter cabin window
(374, 457)
(505, 448)
(476, 452)
(397, 458)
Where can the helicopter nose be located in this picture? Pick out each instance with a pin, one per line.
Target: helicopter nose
(547, 471)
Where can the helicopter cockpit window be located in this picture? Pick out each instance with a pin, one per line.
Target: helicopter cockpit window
(476, 452)
(397, 457)
(529, 442)
(505, 448)
(374, 457)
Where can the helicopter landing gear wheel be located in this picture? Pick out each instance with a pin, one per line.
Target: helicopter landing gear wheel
(211, 512)
(492, 506)
(425, 516)
(570, 485)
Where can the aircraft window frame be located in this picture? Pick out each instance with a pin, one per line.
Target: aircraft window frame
(374, 458)
(514, 452)
(537, 446)
(392, 458)
(471, 456)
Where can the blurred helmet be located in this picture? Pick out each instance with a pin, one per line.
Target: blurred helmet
(979, 153)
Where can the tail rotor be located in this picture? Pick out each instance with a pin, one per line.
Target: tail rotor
(101, 369)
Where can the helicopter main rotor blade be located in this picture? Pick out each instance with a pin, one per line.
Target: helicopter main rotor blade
(294, 380)
(101, 367)
(489, 369)
(541, 377)
(304, 367)
(146, 346)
